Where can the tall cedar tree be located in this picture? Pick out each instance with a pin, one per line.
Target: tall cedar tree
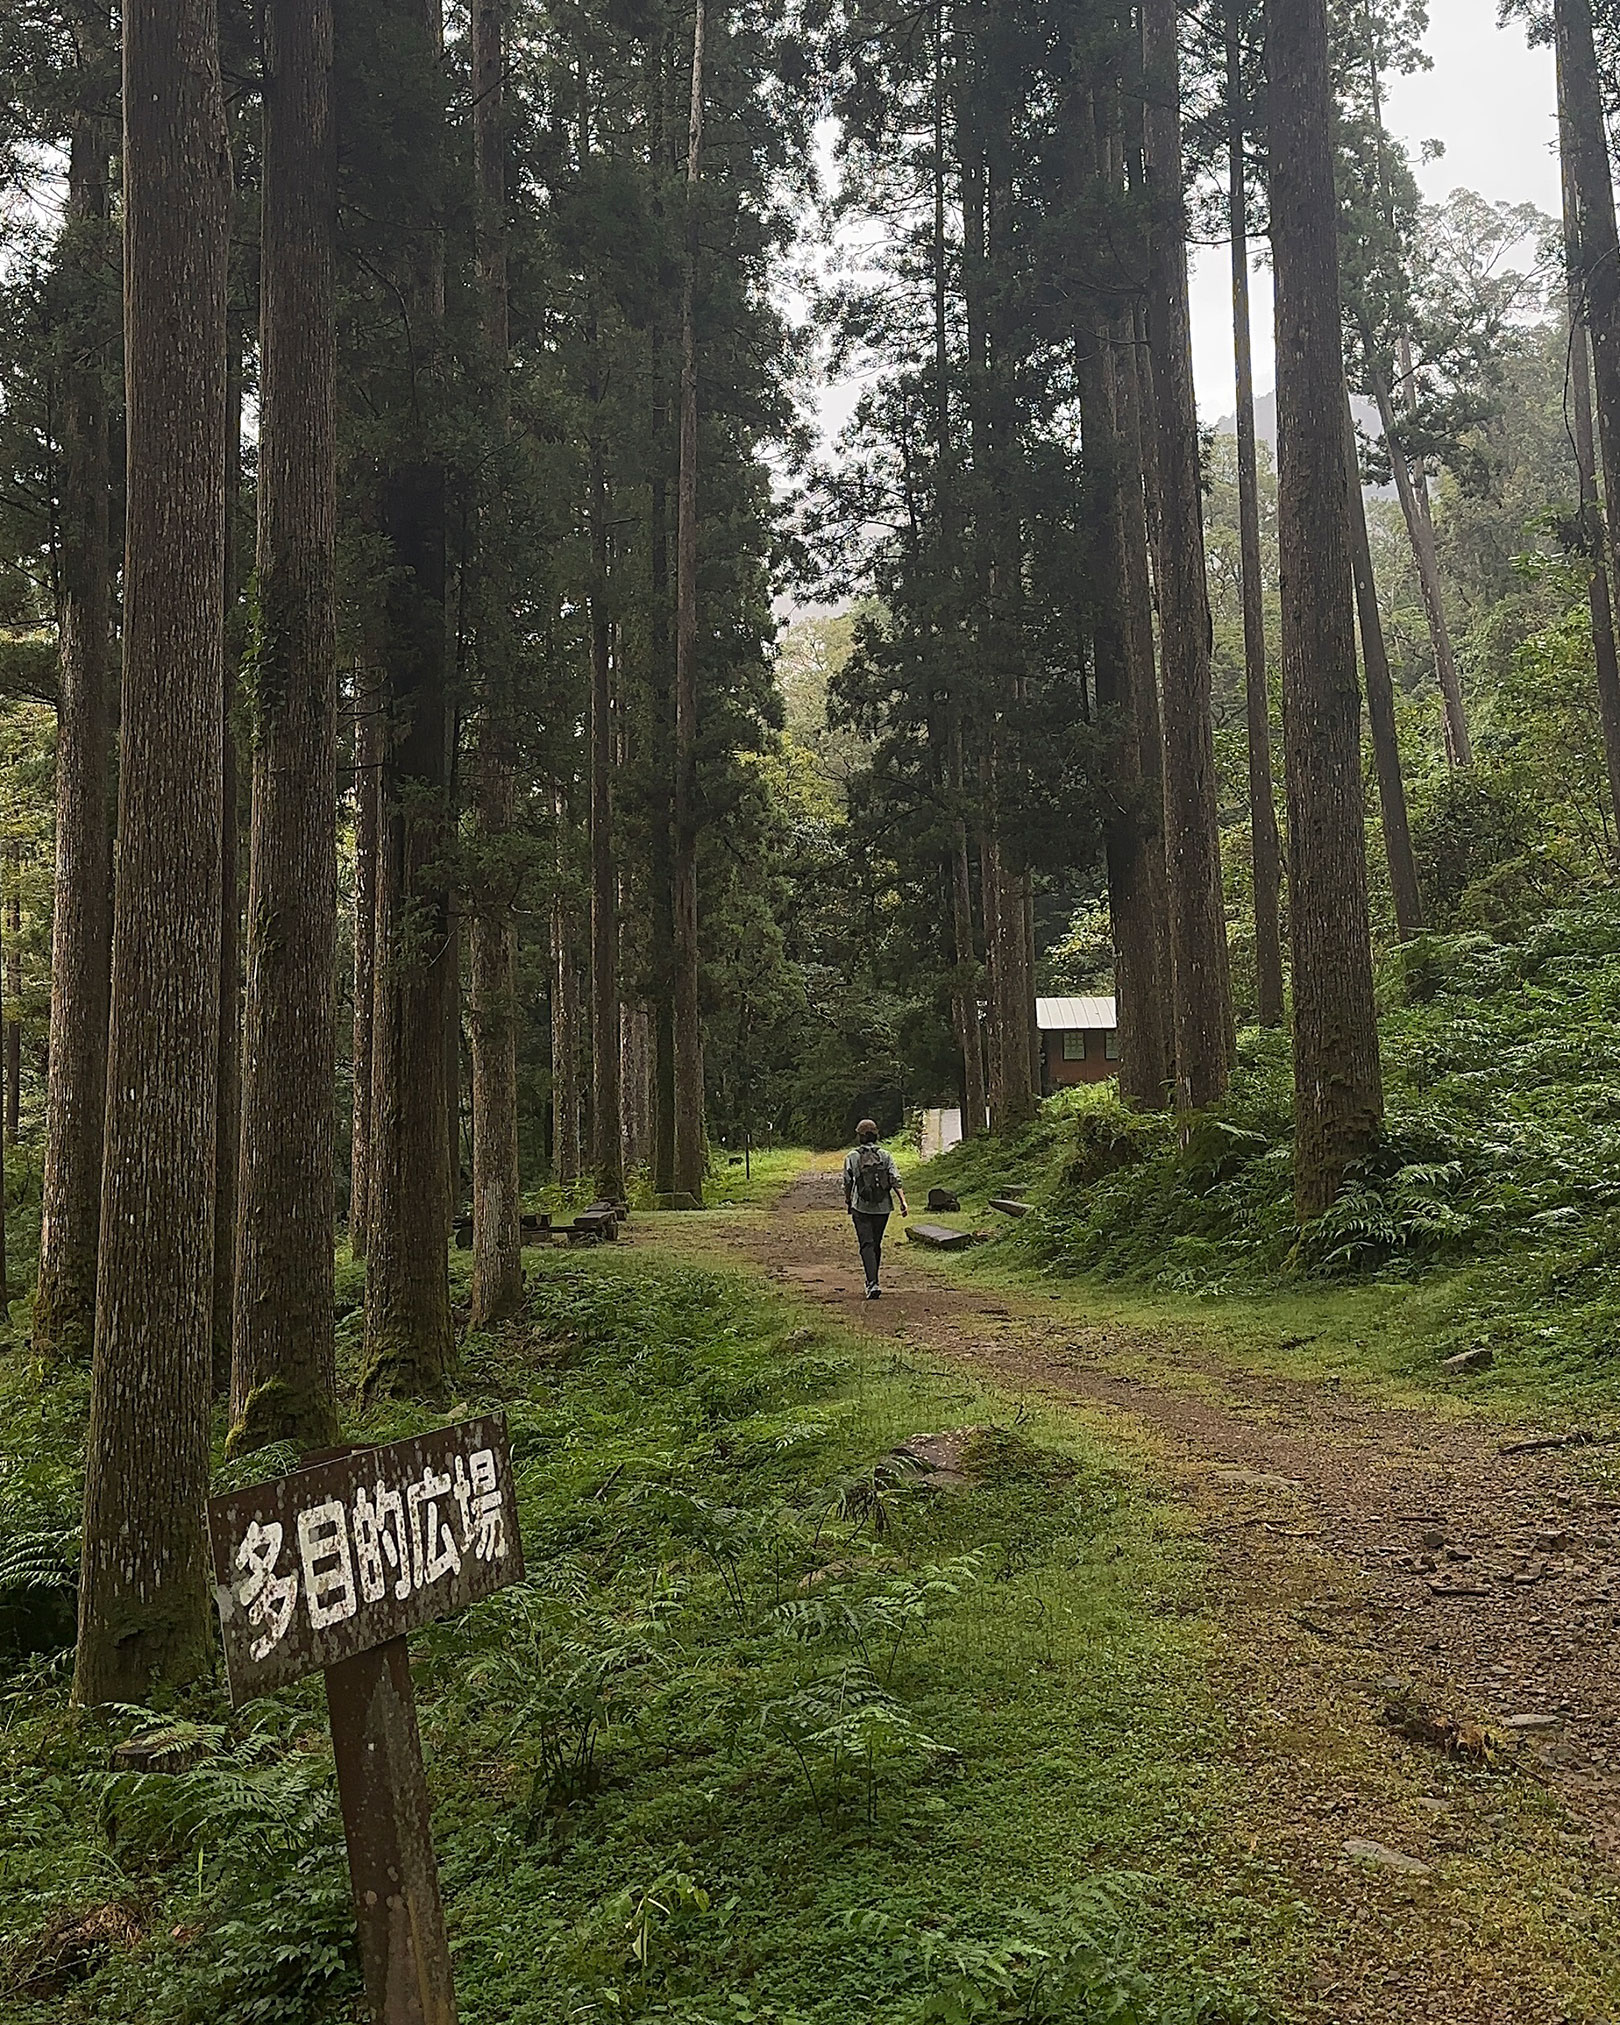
(689, 1122)
(143, 1593)
(282, 1376)
(81, 924)
(1338, 1096)
(1131, 840)
(1599, 603)
(409, 1346)
(1265, 846)
(1584, 141)
(497, 1275)
(1403, 878)
(1203, 995)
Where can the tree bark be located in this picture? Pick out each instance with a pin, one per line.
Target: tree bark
(1420, 531)
(497, 1262)
(228, 1131)
(283, 1374)
(14, 994)
(1157, 1032)
(989, 912)
(81, 929)
(690, 1148)
(1592, 253)
(661, 858)
(1403, 879)
(565, 1146)
(1265, 847)
(1338, 1096)
(1197, 914)
(368, 761)
(965, 987)
(144, 1613)
(409, 1346)
(607, 1064)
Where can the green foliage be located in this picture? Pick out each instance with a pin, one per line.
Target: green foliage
(770, 1731)
(1498, 1161)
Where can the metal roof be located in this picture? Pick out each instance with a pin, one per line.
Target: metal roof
(1074, 1015)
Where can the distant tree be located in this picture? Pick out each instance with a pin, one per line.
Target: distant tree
(1197, 923)
(1265, 846)
(81, 954)
(1338, 1097)
(282, 1378)
(497, 1283)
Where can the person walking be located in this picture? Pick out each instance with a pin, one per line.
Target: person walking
(871, 1190)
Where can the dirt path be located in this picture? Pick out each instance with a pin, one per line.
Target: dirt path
(1359, 1553)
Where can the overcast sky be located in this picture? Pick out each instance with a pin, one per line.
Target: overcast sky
(1489, 99)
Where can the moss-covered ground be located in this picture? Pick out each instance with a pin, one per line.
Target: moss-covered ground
(769, 1733)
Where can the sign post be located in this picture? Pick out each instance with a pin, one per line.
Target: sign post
(329, 1570)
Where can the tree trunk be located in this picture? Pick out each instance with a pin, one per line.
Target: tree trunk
(1156, 1028)
(409, 1345)
(565, 1147)
(1420, 531)
(1338, 1097)
(497, 1262)
(969, 1039)
(1197, 915)
(690, 1148)
(368, 760)
(228, 1110)
(1265, 848)
(14, 994)
(607, 1067)
(283, 1374)
(1403, 879)
(661, 861)
(81, 929)
(144, 1612)
(1592, 251)
(1130, 842)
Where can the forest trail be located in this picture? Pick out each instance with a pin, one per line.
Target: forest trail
(1357, 1552)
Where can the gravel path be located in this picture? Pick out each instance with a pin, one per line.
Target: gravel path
(1361, 1557)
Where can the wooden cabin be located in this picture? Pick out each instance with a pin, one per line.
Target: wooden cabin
(1079, 1043)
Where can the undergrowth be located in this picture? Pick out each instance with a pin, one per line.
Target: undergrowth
(770, 1731)
(1498, 1172)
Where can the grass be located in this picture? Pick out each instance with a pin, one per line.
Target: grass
(1487, 1218)
(765, 1735)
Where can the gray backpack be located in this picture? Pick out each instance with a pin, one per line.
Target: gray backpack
(871, 1177)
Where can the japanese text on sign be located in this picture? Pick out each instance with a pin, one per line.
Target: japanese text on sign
(324, 1563)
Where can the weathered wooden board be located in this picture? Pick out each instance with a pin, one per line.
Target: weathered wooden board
(315, 1567)
(940, 1237)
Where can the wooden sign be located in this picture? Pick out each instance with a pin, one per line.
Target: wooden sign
(314, 1567)
(327, 1570)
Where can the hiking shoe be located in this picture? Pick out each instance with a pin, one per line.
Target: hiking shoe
(874, 1293)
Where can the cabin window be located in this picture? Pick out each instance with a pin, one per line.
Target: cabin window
(1111, 1044)
(1074, 1046)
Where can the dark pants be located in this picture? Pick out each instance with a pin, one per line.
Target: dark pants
(869, 1236)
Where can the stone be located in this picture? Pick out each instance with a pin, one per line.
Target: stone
(1009, 1205)
(940, 1237)
(1534, 1726)
(1432, 1537)
(943, 1200)
(1478, 1359)
(1365, 1851)
(161, 1751)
